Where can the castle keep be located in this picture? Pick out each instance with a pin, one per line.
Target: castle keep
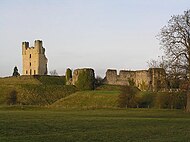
(153, 79)
(34, 59)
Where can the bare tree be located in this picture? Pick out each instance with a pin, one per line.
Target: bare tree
(161, 62)
(175, 41)
(175, 77)
(53, 73)
(98, 81)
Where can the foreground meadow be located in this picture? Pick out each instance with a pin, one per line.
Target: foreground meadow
(99, 125)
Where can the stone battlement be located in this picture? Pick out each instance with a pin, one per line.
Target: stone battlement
(37, 48)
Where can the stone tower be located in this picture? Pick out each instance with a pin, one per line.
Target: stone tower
(34, 59)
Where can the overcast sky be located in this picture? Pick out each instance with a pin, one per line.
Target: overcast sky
(100, 34)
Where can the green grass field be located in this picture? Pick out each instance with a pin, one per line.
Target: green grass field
(99, 125)
(69, 115)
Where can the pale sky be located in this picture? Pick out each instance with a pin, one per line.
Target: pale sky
(101, 34)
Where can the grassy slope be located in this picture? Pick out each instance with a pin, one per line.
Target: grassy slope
(38, 90)
(94, 125)
(12, 83)
(105, 96)
(109, 87)
(43, 94)
(89, 99)
(18, 80)
(48, 80)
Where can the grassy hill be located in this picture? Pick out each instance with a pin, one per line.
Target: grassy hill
(19, 80)
(107, 87)
(35, 90)
(43, 94)
(48, 80)
(89, 99)
(47, 90)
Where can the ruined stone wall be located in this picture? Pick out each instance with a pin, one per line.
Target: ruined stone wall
(111, 76)
(157, 79)
(84, 79)
(152, 79)
(34, 59)
(142, 80)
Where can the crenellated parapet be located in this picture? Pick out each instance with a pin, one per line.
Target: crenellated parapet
(37, 48)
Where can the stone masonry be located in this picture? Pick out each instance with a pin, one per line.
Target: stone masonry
(34, 59)
(153, 79)
(84, 79)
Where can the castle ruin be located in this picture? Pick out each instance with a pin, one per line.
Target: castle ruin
(84, 79)
(153, 79)
(35, 63)
(34, 59)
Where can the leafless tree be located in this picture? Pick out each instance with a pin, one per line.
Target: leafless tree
(161, 62)
(175, 41)
(98, 81)
(53, 73)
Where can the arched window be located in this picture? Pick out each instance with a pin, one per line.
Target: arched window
(30, 56)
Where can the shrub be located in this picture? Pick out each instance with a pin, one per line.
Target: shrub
(170, 100)
(12, 98)
(68, 75)
(53, 73)
(98, 81)
(15, 72)
(143, 86)
(162, 100)
(127, 97)
(146, 99)
(131, 82)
